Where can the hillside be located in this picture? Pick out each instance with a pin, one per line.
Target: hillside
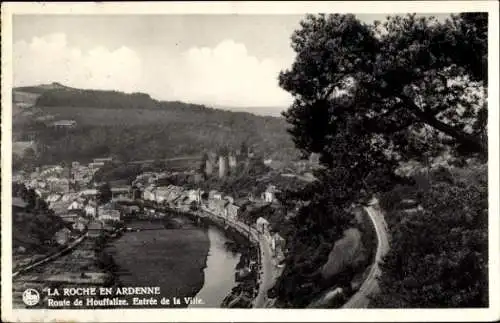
(136, 126)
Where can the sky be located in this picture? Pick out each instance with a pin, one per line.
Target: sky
(229, 61)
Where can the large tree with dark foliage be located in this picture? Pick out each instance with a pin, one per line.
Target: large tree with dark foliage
(394, 80)
(368, 96)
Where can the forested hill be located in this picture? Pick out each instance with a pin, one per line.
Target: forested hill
(61, 96)
(136, 126)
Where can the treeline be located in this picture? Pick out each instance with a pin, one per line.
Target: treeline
(67, 97)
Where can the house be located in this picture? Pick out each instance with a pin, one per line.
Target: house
(108, 213)
(53, 198)
(96, 165)
(76, 205)
(221, 208)
(277, 243)
(270, 194)
(103, 160)
(90, 209)
(161, 194)
(124, 192)
(212, 204)
(62, 236)
(94, 228)
(60, 207)
(71, 216)
(194, 195)
(174, 202)
(68, 124)
(233, 211)
(262, 225)
(149, 193)
(68, 197)
(131, 209)
(80, 224)
(213, 194)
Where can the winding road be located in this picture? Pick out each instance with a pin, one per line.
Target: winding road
(266, 277)
(370, 285)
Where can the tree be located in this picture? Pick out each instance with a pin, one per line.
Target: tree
(30, 199)
(439, 263)
(367, 97)
(193, 206)
(104, 194)
(393, 80)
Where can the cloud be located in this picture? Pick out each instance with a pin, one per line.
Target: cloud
(50, 59)
(225, 75)
(228, 75)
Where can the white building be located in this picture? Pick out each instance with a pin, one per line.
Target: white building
(262, 225)
(149, 193)
(269, 195)
(76, 205)
(90, 210)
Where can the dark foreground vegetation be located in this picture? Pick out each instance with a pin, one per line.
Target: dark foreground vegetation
(380, 107)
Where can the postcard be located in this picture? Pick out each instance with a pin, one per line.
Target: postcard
(250, 161)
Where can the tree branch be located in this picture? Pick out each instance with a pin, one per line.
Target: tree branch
(454, 132)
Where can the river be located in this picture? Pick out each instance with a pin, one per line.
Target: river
(219, 273)
(184, 261)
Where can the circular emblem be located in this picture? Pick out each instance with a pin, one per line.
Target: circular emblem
(31, 297)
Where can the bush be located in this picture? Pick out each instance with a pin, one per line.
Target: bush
(439, 256)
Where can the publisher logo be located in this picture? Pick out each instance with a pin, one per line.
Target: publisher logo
(31, 297)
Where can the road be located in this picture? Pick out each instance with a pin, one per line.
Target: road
(370, 285)
(266, 276)
(196, 157)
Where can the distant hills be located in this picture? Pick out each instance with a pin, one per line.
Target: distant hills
(135, 126)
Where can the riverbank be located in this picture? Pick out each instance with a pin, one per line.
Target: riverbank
(247, 270)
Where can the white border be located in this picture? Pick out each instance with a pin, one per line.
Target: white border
(256, 315)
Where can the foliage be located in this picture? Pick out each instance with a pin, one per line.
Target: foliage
(117, 171)
(392, 81)
(137, 127)
(368, 97)
(439, 255)
(315, 227)
(36, 224)
(104, 194)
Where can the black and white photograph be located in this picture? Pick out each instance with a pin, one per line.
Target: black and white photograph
(313, 159)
